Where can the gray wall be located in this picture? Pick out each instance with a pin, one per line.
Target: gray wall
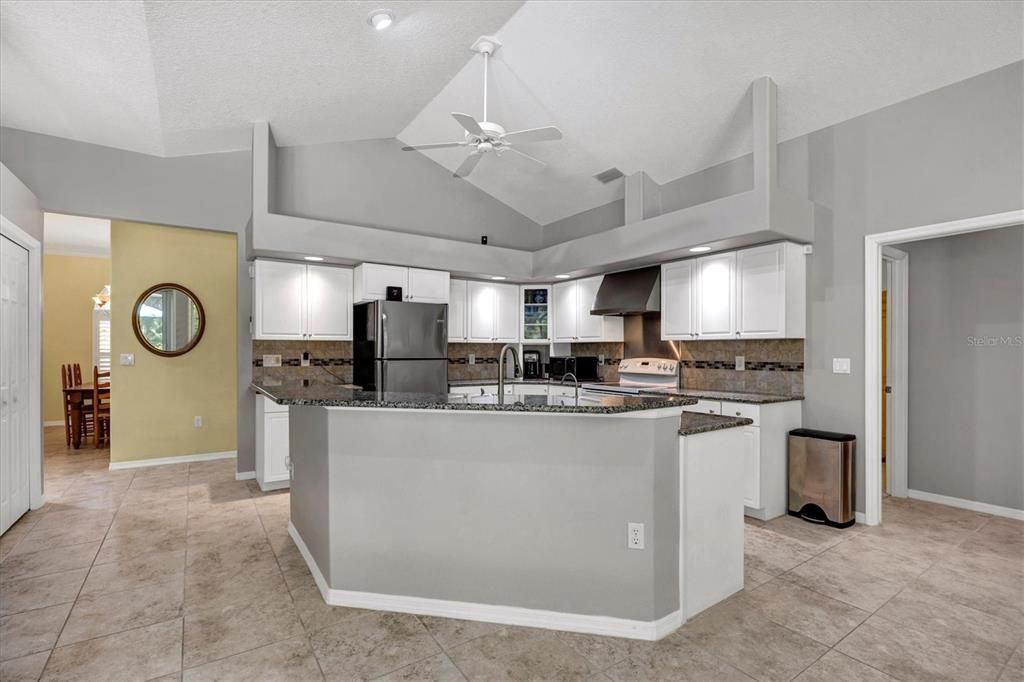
(209, 191)
(375, 184)
(965, 428)
(19, 205)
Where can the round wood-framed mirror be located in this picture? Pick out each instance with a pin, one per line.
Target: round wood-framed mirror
(168, 319)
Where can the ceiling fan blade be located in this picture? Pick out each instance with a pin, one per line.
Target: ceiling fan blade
(439, 145)
(469, 123)
(527, 156)
(467, 166)
(533, 135)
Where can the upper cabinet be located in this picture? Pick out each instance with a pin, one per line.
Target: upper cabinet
(535, 317)
(457, 310)
(492, 312)
(418, 286)
(300, 301)
(748, 294)
(572, 320)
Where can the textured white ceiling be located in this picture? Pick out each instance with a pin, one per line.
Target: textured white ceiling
(72, 235)
(660, 86)
(641, 85)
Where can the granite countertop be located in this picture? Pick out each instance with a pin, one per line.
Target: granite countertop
(494, 381)
(319, 393)
(692, 423)
(728, 396)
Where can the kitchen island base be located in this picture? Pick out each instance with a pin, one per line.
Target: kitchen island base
(518, 517)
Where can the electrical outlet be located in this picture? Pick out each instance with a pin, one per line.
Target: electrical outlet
(600, 359)
(197, 422)
(271, 360)
(840, 365)
(741, 362)
(305, 359)
(472, 358)
(634, 536)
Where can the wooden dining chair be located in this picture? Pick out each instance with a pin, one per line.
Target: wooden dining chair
(71, 375)
(66, 380)
(100, 407)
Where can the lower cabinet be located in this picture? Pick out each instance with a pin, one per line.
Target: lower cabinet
(272, 470)
(765, 451)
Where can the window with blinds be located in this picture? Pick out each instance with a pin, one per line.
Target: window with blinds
(101, 338)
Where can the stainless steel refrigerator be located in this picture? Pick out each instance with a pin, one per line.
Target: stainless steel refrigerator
(401, 347)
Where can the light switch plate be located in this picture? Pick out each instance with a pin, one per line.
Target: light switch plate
(472, 358)
(840, 365)
(126, 359)
(741, 362)
(271, 360)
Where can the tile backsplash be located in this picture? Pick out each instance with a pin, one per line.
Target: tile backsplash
(772, 365)
(612, 352)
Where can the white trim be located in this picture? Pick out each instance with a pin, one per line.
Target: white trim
(859, 517)
(899, 337)
(35, 341)
(983, 507)
(59, 422)
(245, 475)
(158, 461)
(76, 252)
(873, 244)
(655, 413)
(490, 613)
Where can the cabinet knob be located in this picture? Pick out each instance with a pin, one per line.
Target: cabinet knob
(739, 414)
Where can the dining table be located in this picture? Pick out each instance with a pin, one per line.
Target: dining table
(76, 395)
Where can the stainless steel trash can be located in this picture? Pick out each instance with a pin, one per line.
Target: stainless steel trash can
(821, 476)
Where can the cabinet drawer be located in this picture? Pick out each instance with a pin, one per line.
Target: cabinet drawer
(742, 410)
(270, 406)
(705, 407)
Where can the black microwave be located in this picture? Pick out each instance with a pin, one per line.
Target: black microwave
(584, 367)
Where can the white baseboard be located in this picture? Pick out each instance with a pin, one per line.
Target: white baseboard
(860, 517)
(157, 461)
(245, 475)
(490, 613)
(983, 507)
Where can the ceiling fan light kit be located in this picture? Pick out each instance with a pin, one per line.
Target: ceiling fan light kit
(487, 136)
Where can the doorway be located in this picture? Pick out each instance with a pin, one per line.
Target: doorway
(894, 390)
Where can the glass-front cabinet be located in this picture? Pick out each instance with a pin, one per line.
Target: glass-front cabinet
(535, 316)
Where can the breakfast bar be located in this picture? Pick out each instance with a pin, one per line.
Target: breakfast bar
(621, 517)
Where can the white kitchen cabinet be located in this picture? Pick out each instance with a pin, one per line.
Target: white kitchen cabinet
(418, 285)
(771, 292)
(678, 298)
(492, 312)
(716, 296)
(535, 313)
(272, 470)
(457, 311)
(300, 301)
(751, 466)
(572, 319)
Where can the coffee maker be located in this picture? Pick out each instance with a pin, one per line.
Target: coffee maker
(531, 364)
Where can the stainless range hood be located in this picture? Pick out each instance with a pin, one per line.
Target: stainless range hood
(632, 292)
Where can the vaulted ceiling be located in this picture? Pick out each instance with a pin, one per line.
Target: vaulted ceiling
(640, 85)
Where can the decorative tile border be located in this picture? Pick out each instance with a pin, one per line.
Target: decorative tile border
(750, 366)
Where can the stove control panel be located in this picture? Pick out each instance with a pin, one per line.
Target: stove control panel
(655, 366)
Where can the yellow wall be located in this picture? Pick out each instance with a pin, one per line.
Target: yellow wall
(69, 283)
(154, 402)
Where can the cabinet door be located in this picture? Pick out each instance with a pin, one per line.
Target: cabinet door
(457, 310)
(677, 298)
(716, 296)
(275, 446)
(588, 327)
(761, 292)
(427, 286)
(752, 466)
(373, 279)
(279, 309)
(506, 326)
(328, 303)
(564, 314)
(482, 311)
(535, 310)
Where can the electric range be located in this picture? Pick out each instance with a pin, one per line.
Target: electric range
(640, 375)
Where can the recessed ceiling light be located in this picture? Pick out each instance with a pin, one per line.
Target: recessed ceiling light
(562, 276)
(380, 19)
(700, 249)
(498, 277)
(316, 259)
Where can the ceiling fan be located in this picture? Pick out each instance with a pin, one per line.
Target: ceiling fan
(486, 136)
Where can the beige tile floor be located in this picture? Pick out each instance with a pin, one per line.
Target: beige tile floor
(181, 572)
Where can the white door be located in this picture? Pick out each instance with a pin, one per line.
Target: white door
(716, 296)
(506, 326)
(677, 294)
(751, 466)
(564, 314)
(428, 286)
(588, 327)
(275, 439)
(761, 292)
(279, 291)
(482, 311)
(457, 310)
(328, 303)
(15, 481)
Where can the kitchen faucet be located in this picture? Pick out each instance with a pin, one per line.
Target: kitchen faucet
(575, 381)
(501, 369)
